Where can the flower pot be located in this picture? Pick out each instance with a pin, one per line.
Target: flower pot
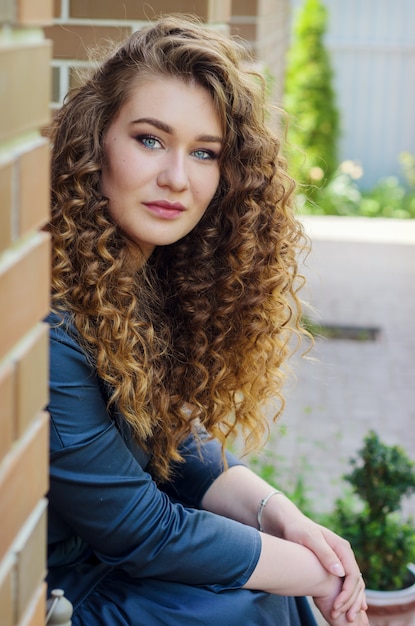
(392, 608)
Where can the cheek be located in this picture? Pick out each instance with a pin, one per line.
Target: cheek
(115, 166)
(208, 186)
(108, 174)
(104, 180)
(115, 178)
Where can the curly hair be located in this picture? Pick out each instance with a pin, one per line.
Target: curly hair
(202, 330)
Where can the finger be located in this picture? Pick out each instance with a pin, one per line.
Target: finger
(344, 555)
(320, 544)
(355, 600)
(361, 619)
(360, 605)
(351, 600)
(356, 608)
(351, 582)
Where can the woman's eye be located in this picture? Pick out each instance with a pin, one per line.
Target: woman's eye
(205, 155)
(149, 142)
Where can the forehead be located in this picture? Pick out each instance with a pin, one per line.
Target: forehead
(175, 101)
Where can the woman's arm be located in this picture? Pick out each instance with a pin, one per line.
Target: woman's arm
(101, 493)
(237, 493)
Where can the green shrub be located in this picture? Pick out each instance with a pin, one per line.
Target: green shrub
(342, 196)
(310, 101)
(384, 543)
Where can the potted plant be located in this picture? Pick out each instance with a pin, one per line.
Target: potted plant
(370, 517)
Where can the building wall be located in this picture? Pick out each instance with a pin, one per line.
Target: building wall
(24, 295)
(264, 24)
(80, 27)
(372, 47)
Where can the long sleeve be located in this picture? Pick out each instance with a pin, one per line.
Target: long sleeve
(203, 463)
(102, 494)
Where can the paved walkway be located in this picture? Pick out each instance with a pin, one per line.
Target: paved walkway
(360, 272)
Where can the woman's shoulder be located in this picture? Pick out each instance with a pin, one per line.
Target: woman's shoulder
(59, 319)
(77, 405)
(62, 328)
(65, 344)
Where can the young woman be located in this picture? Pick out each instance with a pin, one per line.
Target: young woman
(174, 307)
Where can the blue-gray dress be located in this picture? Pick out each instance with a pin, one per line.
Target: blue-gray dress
(125, 551)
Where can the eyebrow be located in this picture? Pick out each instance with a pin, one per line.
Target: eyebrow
(166, 128)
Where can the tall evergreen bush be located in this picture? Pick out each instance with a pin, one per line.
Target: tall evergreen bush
(313, 128)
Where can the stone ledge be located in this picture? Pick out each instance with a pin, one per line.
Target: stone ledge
(359, 229)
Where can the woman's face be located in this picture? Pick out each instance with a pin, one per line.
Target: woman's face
(161, 167)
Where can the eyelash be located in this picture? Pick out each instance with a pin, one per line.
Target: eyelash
(211, 154)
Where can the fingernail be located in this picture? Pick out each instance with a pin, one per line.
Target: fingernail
(337, 569)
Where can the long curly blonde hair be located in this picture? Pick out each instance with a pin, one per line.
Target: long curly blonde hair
(202, 331)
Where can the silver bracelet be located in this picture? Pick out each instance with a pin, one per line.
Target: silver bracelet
(262, 506)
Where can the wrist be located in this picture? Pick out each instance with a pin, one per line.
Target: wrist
(279, 515)
(263, 503)
(331, 588)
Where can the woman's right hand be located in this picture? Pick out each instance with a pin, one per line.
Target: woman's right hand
(354, 613)
(361, 618)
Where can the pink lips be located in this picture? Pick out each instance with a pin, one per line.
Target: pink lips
(164, 209)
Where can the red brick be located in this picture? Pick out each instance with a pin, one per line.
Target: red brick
(6, 591)
(245, 31)
(245, 7)
(32, 378)
(23, 480)
(7, 409)
(34, 196)
(34, 13)
(24, 291)
(24, 88)
(57, 8)
(36, 611)
(30, 552)
(133, 10)
(6, 204)
(76, 42)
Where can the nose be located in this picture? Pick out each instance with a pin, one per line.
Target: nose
(173, 173)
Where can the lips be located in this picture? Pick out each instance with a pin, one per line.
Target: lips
(164, 209)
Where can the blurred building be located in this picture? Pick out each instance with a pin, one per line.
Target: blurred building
(81, 27)
(372, 47)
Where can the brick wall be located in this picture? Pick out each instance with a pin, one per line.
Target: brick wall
(80, 26)
(265, 25)
(24, 296)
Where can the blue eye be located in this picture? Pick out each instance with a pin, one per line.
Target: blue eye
(205, 155)
(149, 142)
